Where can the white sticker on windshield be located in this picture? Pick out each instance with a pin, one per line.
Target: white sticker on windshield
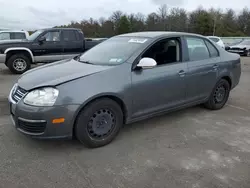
(138, 40)
(115, 60)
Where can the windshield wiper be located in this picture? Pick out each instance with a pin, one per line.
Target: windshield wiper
(77, 58)
(87, 62)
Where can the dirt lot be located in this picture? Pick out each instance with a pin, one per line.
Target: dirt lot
(194, 148)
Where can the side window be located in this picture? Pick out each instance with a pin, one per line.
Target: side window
(17, 36)
(4, 36)
(69, 36)
(197, 49)
(77, 35)
(213, 51)
(52, 36)
(165, 51)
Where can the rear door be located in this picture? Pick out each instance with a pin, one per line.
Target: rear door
(203, 67)
(72, 44)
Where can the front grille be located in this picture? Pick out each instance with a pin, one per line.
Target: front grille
(18, 94)
(32, 127)
(236, 49)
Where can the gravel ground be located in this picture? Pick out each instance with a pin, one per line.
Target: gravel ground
(194, 148)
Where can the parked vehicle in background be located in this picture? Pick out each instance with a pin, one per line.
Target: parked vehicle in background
(100, 39)
(124, 79)
(232, 42)
(242, 48)
(217, 40)
(4, 29)
(13, 35)
(44, 46)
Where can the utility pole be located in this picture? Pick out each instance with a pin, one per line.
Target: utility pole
(214, 28)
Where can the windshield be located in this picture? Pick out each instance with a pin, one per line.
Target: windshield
(214, 39)
(245, 42)
(113, 51)
(34, 35)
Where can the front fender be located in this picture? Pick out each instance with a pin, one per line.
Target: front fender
(20, 49)
(114, 83)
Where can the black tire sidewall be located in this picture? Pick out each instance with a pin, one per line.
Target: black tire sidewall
(11, 60)
(84, 116)
(248, 53)
(216, 106)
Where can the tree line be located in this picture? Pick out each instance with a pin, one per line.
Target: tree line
(202, 21)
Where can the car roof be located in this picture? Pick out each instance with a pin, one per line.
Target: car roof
(56, 28)
(157, 34)
(213, 37)
(12, 31)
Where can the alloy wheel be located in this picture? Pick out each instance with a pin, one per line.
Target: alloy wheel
(19, 64)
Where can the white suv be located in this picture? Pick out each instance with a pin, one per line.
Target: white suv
(13, 35)
(217, 40)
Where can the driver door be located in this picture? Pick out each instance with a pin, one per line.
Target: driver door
(161, 87)
(51, 49)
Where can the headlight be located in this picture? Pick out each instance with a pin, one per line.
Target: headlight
(42, 97)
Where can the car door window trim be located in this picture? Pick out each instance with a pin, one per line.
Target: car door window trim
(200, 38)
(177, 37)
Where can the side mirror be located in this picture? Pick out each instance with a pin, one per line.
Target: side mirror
(227, 47)
(147, 63)
(42, 39)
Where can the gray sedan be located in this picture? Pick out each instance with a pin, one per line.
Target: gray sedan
(126, 78)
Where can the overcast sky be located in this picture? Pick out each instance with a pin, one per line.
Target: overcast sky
(34, 14)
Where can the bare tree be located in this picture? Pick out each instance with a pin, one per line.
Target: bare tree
(116, 16)
(178, 19)
(163, 15)
(244, 21)
(202, 21)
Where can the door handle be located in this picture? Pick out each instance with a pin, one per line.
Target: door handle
(215, 66)
(182, 73)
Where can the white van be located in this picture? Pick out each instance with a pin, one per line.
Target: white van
(13, 35)
(217, 40)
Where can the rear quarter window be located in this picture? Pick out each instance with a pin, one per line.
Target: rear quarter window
(212, 50)
(69, 35)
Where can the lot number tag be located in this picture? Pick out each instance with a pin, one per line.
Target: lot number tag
(141, 41)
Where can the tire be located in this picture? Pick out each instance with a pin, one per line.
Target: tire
(18, 63)
(99, 123)
(219, 96)
(248, 53)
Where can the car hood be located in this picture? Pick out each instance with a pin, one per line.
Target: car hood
(15, 41)
(57, 73)
(240, 46)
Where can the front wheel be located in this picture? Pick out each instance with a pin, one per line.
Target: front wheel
(99, 123)
(219, 95)
(18, 63)
(248, 53)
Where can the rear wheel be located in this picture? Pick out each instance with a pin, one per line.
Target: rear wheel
(18, 63)
(219, 96)
(99, 123)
